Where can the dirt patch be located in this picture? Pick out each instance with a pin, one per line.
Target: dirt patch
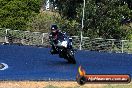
(43, 84)
(57, 84)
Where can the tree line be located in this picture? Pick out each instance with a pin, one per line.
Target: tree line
(103, 18)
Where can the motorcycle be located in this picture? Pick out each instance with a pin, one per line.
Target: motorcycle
(64, 49)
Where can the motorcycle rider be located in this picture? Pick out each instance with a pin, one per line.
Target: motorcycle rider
(53, 37)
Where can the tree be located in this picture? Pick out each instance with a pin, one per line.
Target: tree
(41, 22)
(69, 26)
(67, 8)
(15, 14)
(103, 19)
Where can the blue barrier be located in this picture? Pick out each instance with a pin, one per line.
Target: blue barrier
(33, 63)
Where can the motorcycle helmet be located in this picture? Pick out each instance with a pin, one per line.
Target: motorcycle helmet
(54, 28)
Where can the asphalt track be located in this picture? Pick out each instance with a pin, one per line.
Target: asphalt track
(33, 63)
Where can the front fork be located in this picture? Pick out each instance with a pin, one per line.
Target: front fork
(66, 53)
(62, 53)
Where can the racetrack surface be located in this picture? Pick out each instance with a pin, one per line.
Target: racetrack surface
(33, 63)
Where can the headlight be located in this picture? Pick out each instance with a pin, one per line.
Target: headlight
(64, 43)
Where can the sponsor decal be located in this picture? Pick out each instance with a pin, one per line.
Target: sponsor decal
(83, 78)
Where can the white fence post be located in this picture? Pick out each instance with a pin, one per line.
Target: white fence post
(81, 35)
(6, 40)
(43, 38)
(122, 46)
(43, 35)
(81, 41)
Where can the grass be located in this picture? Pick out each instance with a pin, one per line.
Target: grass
(107, 86)
(118, 86)
(50, 86)
(56, 84)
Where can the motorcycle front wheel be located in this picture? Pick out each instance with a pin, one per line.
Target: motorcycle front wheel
(70, 57)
